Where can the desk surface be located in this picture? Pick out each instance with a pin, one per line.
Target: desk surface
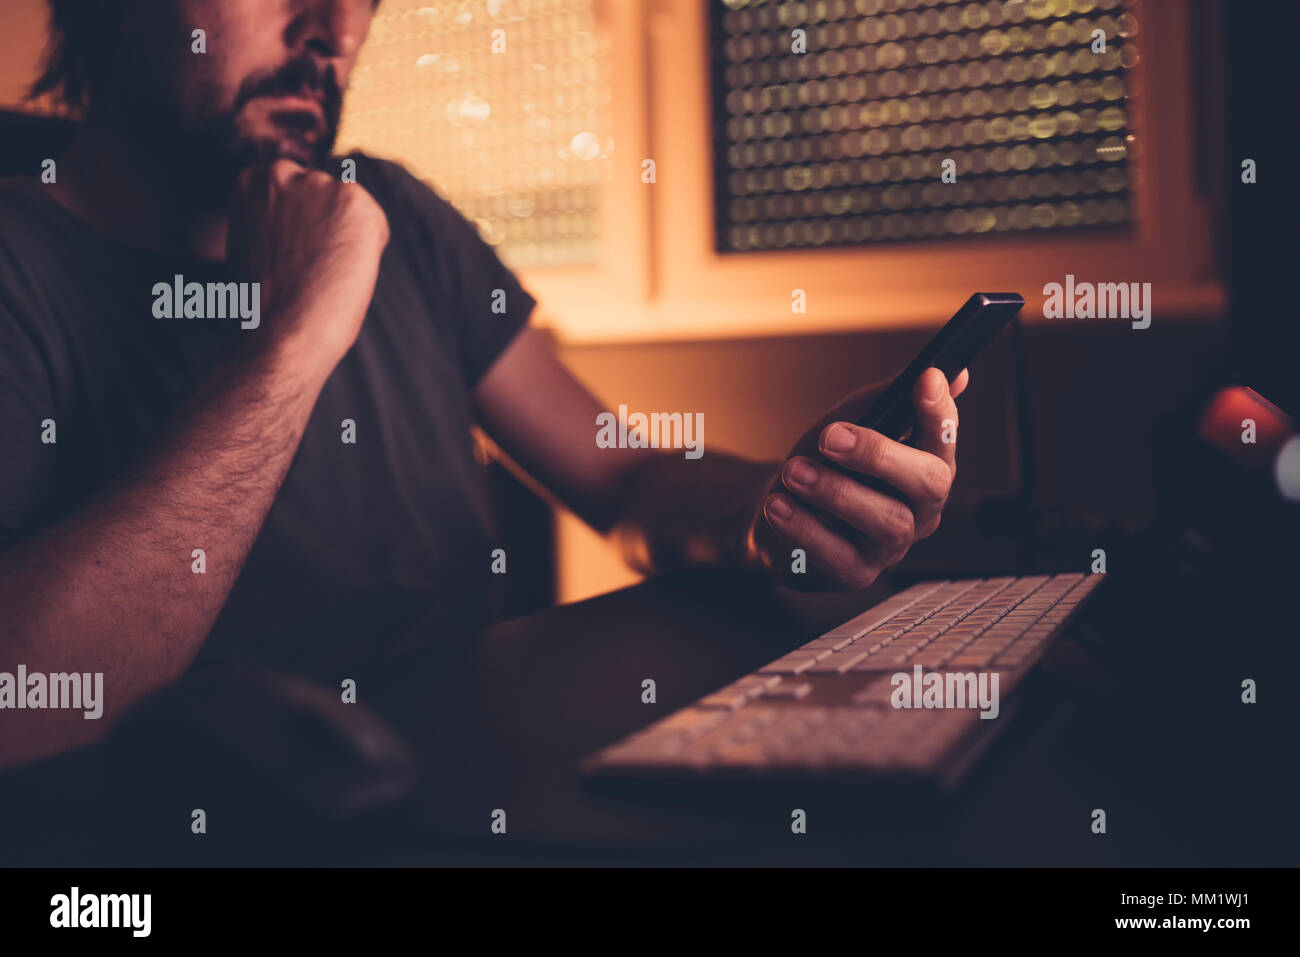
(502, 720)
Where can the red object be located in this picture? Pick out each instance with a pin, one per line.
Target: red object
(1245, 426)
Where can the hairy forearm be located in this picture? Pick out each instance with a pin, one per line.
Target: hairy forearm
(115, 587)
(677, 512)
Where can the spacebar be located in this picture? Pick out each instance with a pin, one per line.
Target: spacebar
(885, 610)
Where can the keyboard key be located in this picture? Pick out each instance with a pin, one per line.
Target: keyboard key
(688, 721)
(881, 662)
(834, 644)
(930, 659)
(883, 612)
(816, 654)
(941, 648)
(788, 692)
(728, 700)
(904, 647)
(789, 665)
(838, 664)
(969, 659)
(876, 693)
(991, 642)
(750, 684)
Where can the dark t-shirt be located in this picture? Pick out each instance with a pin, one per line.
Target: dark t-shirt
(399, 515)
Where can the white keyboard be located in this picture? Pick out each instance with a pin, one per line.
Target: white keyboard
(900, 690)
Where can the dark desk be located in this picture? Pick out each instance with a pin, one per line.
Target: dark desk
(502, 720)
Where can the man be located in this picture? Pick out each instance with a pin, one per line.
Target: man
(178, 486)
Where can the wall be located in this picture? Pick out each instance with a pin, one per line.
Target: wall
(22, 39)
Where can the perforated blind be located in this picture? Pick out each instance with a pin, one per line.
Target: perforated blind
(846, 143)
(513, 127)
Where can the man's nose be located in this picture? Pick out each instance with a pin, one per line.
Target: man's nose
(333, 29)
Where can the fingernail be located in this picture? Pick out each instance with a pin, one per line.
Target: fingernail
(840, 439)
(933, 391)
(778, 506)
(802, 473)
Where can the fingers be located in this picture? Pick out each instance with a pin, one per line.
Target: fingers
(248, 176)
(922, 472)
(849, 530)
(936, 417)
(256, 181)
(831, 555)
(888, 523)
(921, 477)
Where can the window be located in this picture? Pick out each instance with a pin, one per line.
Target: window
(891, 120)
(505, 107)
(819, 171)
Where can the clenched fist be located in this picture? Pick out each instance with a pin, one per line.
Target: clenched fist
(314, 244)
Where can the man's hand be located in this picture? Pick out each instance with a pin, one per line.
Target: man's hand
(314, 243)
(851, 532)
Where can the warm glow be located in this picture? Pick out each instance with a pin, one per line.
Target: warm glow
(504, 106)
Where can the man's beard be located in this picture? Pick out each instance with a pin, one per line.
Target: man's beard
(305, 75)
(201, 142)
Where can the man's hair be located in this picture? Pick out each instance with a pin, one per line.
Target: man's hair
(83, 34)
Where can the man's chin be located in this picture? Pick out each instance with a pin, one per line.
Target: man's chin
(298, 152)
(216, 172)
(263, 152)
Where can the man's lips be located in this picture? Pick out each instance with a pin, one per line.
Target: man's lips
(301, 117)
(293, 103)
(297, 101)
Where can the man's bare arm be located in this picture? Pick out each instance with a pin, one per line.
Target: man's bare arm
(110, 588)
(668, 511)
(662, 509)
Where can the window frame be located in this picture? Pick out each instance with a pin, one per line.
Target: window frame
(661, 277)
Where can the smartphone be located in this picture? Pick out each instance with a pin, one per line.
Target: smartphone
(952, 349)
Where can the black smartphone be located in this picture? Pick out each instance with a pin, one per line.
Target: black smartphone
(952, 349)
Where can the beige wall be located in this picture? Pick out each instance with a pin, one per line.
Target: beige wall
(22, 39)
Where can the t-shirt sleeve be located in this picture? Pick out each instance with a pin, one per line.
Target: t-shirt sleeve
(27, 440)
(482, 300)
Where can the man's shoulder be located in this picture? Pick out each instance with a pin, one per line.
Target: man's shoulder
(25, 218)
(15, 186)
(398, 190)
(18, 203)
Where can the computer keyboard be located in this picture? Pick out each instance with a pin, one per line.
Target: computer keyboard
(862, 699)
